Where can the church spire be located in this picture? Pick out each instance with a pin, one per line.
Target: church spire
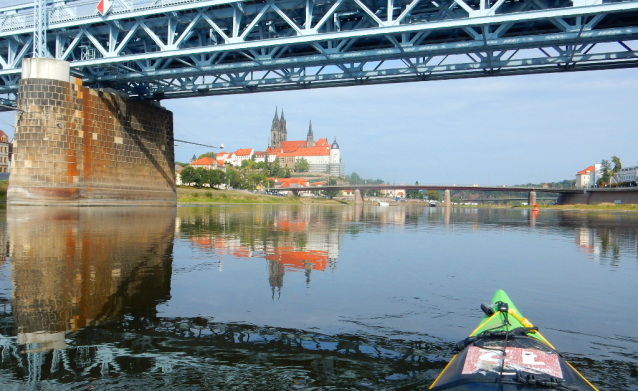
(310, 141)
(282, 122)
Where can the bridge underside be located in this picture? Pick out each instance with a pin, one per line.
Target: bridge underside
(184, 48)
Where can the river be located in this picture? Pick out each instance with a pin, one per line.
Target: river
(283, 297)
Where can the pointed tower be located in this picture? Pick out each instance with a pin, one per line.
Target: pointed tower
(275, 130)
(310, 140)
(282, 127)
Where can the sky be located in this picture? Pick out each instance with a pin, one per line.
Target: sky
(488, 131)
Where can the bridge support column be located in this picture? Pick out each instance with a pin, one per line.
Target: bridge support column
(447, 199)
(531, 200)
(78, 146)
(358, 197)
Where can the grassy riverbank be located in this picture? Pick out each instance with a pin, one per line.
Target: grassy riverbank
(189, 195)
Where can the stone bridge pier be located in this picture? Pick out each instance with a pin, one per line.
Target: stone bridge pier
(531, 198)
(79, 146)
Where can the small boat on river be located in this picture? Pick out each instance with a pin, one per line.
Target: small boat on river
(507, 353)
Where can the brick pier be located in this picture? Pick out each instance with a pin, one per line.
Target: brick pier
(78, 146)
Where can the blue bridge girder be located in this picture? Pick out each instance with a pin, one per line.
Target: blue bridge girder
(160, 49)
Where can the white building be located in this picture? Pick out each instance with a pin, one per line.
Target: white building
(627, 174)
(584, 177)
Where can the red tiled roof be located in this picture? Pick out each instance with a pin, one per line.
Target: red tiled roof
(586, 171)
(243, 152)
(285, 182)
(322, 142)
(312, 151)
(205, 161)
(291, 146)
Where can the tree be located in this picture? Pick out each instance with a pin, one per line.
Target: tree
(201, 176)
(605, 171)
(190, 175)
(617, 164)
(234, 178)
(433, 195)
(332, 181)
(302, 165)
(211, 155)
(216, 178)
(416, 194)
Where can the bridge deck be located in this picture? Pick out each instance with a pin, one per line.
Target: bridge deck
(178, 48)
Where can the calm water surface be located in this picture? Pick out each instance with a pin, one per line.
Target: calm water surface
(301, 297)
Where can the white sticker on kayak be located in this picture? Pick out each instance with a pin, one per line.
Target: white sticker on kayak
(516, 359)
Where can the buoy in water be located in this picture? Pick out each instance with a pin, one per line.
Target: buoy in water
(535, 208)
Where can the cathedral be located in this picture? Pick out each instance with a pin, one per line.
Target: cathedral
(321, 155)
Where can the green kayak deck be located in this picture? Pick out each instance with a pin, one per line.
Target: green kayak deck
(506, 352)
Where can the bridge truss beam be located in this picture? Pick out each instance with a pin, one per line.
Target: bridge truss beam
(179, 48)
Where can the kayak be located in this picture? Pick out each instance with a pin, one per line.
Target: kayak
(507, 353)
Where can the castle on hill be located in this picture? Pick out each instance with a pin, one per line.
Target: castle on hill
(321, 155)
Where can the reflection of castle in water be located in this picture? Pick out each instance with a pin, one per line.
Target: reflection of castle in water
(79, 267)
(291, 239)
(303, 239)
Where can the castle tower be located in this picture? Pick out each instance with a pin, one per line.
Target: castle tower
(335, 159)
(310, 141)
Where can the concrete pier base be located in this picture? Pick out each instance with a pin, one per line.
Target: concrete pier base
(447, 199)
(622, 195)
(78, 146)
(531, 198)
(358, 197)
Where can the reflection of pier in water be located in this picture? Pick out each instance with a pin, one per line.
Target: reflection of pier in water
(74, 268)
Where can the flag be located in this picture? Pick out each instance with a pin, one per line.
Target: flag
(103, 6)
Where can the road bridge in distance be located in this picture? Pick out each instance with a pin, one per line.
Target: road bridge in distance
(624, 195)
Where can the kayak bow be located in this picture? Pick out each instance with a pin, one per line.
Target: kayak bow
(506, 352)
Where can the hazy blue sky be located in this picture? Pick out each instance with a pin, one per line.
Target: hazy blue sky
(503, 130)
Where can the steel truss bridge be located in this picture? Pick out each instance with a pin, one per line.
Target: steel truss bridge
(159, 49)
